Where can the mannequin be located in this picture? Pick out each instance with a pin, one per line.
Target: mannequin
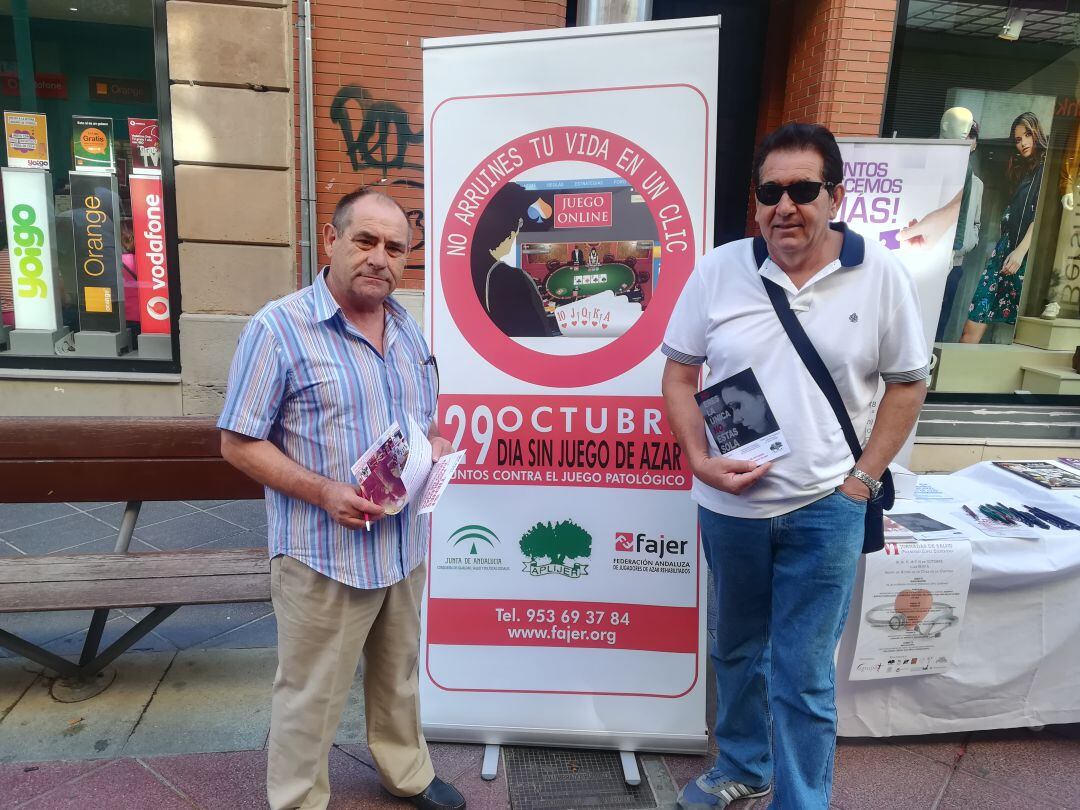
(996, 298)
(958, 122)
(1067, 178)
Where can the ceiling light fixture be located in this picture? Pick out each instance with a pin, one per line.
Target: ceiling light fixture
(1014, 23)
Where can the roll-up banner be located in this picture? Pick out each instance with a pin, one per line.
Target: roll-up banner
(94, 207)
(151, 262)
(891, 183)
(569, 190)
(31, 233)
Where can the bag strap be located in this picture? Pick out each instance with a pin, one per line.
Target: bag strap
(813, 362)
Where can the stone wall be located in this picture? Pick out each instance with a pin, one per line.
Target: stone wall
(231, 75)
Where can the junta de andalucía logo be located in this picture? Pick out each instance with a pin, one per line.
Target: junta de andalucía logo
(471, 535)
(557, 543)
(472, 548)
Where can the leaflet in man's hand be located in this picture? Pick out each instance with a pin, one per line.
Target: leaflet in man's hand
(397, 469)
(740, 422)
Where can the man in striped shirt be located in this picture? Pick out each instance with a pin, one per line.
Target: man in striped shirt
(317, 377)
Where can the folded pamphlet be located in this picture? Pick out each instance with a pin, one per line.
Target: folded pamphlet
(397, 470)
(740, 422)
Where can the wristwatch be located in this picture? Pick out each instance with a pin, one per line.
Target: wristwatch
(872, 483)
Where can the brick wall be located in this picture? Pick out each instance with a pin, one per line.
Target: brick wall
(826, 62)
(369, 126)
(838, 62)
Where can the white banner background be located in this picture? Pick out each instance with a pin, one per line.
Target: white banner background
(628, 668)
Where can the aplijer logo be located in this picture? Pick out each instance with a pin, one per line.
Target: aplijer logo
(556, 543)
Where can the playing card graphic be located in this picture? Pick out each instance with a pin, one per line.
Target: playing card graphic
(602, 315)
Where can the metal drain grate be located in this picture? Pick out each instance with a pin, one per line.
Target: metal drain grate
(559, 779)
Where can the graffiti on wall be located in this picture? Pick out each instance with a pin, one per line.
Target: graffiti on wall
(378, 137)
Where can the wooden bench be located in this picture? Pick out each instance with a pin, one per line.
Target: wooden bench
(79, 460)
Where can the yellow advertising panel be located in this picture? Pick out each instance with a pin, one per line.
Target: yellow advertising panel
(27, 140)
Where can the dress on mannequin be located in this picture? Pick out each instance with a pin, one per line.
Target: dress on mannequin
(997, 295)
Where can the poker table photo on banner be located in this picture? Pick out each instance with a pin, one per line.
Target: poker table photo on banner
(565, 602)
(584, 280)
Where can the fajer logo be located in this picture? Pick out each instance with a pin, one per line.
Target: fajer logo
(624, 541)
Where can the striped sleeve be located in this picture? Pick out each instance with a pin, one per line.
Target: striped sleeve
(684, 340)
(256, 383)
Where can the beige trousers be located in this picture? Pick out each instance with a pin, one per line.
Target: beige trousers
(324, 627)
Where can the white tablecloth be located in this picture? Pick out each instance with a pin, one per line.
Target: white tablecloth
(1018, 657)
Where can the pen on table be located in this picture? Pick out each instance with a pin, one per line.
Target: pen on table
(990, 513)
(1050, 517)
(998, 515)
(1023, 517)
(973, 515)
(1031, 520)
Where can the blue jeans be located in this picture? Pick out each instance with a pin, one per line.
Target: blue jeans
(783, 586)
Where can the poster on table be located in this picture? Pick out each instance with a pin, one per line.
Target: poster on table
(94, 209)
(31, 236)
(914, 595)
(567, 206)
(27, 140)
(151, 256)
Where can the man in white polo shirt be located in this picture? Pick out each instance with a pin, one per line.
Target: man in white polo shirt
(783, 538)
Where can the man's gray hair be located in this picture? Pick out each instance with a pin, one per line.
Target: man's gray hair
(342, 210)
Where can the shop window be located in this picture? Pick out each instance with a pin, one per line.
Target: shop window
(87, 265)
(1010, 318)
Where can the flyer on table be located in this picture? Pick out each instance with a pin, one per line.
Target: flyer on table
(914, 595)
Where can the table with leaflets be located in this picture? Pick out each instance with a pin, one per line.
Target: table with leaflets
(1017, 659)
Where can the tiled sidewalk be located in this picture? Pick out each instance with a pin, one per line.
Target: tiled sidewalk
(982, 771)
(200, 683)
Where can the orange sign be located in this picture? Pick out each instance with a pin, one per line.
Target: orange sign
(94, 141)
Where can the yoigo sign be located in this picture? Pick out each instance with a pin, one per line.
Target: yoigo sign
(32, 248)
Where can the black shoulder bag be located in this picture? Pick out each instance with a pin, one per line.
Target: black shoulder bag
(874, 537)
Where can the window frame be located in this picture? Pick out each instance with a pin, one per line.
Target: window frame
(11, 364)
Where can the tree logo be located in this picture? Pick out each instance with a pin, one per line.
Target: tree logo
(556, 543)
(472, 535)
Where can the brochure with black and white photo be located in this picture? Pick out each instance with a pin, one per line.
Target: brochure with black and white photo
(740, 422)
(925, 527)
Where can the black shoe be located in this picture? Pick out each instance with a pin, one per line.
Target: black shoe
(439, 796)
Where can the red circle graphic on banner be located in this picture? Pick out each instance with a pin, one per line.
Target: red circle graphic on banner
(558, 145)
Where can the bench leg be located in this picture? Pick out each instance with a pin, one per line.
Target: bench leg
(39, 656)
(127, 526)
(118, 647)
(93, 636)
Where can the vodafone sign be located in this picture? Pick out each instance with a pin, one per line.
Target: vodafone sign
(151, 262)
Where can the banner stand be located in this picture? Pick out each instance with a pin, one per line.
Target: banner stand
(37, 342)
(569, 182)
(3, 336)
(31, 232)
(155, 347)
(95, 208)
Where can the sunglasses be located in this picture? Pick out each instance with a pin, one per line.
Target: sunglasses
(800, 193)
